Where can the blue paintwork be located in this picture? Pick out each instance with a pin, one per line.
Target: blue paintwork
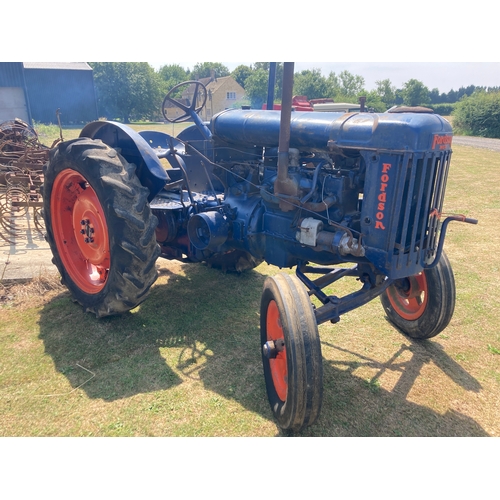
(224, 210)
(134, 149)
(314, 130)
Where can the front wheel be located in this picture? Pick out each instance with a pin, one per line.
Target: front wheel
(291, 352)
(422, 306)
(99, 226)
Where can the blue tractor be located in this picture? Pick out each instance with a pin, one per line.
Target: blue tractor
(304, 190)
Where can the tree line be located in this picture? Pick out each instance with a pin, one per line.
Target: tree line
(134, 90)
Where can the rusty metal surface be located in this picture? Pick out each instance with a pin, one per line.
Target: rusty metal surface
(22, 158)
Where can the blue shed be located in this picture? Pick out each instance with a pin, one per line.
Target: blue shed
(34, 91)
(13, 92)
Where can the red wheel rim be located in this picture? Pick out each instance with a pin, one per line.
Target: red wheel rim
(80, 231)
(409, 297)
(278, 365)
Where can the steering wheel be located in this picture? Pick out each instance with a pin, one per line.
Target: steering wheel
(190, 100)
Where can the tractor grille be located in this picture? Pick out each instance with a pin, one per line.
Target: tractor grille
(411, 218)
(416, 234)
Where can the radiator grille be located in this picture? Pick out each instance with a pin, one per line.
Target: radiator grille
(422, 187)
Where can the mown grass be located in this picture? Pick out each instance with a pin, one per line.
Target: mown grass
(50, 133)
(187, 361)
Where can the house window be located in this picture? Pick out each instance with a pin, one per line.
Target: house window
(231, 95)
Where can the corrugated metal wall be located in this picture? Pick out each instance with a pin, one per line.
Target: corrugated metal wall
(13, 95)
(70, 91)
(11, 74)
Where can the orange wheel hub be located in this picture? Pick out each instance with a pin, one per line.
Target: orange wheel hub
(409, 297)
(80, 231)
(278, 365)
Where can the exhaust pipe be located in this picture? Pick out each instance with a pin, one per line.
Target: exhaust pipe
(285, 185)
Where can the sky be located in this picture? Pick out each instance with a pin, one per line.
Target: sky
(444, 45)
(444, 76)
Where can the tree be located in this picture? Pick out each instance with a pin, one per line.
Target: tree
(373, 101)
(172, 74)
(435, 96)
(256, 87)
(241, 73)
(204, 70)
(278, 84)
(415, 93)
(386, 92)
(126, 90)
(310, 83)
(345, 86)
(351, 85)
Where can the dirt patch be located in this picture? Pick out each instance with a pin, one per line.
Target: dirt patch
(31, 293)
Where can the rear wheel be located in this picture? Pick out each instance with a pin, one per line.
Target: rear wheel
(422, 306)
(291, 353)
(99, 226)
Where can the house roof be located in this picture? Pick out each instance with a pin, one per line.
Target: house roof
(215, 84)
(57, 65)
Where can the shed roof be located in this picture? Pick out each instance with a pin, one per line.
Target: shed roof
(57, 65)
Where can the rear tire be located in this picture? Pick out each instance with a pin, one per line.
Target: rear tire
(294, 375)
(99, 227)
(422, 306)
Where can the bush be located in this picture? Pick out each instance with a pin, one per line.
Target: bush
(478, 115)
(444, 109)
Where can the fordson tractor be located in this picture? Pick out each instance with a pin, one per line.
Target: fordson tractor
(333, 195)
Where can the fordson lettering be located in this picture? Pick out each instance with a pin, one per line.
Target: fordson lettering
(441, 141)
(382, 197)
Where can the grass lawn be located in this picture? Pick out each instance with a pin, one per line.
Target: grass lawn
(187, 361)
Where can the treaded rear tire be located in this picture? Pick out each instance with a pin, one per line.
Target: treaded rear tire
(126, 218)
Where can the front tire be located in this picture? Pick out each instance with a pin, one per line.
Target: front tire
(99, 227)
(291, 353)
(422, 306)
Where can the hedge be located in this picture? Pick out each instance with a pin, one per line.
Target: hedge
(478, 115)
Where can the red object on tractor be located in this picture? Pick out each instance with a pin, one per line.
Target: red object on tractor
(299, 103)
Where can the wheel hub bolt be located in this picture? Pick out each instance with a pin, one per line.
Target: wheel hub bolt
(87, 231)
(271, 348)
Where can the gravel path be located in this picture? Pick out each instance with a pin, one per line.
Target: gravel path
(477, 142)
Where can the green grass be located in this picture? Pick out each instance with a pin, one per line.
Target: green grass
(187, 361)
(47, 134)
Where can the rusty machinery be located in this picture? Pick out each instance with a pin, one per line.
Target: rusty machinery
(22, 157)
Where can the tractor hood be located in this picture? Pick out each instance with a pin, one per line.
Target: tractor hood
(398, 132)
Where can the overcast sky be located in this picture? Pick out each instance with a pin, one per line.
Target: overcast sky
(442, 75)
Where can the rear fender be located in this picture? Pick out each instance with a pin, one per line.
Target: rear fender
(134, 149)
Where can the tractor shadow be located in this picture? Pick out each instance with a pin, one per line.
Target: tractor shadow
(201, 326)
(196, 325)
(355, 406)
